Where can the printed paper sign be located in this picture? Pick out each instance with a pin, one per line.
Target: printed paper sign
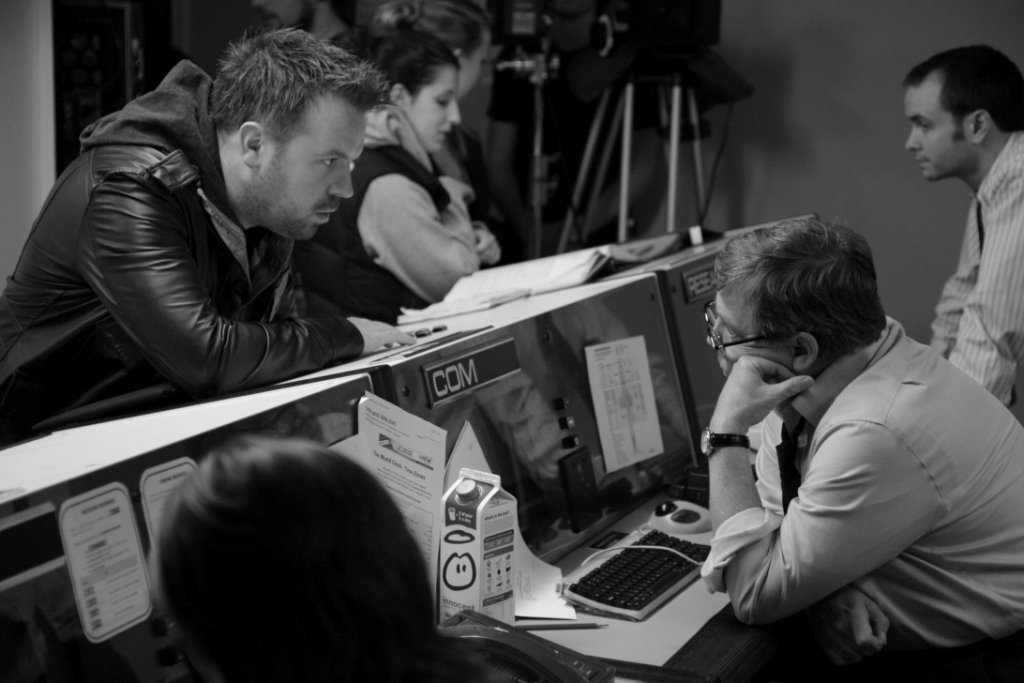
(105, 559)
(627, 415)
(407, 454)
(157, 484)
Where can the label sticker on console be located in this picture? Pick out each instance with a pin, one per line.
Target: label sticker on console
(106, 562)
(455, 376)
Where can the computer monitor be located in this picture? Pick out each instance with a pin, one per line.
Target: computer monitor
(574, 396)
(76, 512)
(687, 283)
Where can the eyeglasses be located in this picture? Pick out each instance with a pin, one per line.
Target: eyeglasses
(715, 339)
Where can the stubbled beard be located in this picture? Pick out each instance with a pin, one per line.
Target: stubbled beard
(264, 203)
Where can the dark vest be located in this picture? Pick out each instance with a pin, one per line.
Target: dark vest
(334, 269)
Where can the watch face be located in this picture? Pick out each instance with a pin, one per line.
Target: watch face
(705, 442)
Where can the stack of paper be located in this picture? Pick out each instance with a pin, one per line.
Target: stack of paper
(492, 287)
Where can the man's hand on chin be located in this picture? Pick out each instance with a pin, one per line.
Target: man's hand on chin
(753, 388)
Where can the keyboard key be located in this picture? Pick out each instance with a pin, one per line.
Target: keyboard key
(633, 583)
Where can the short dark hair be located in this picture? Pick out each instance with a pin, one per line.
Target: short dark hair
(411, 57)
(976, 77)
(804, 275)
(272, 77)
(282, 560)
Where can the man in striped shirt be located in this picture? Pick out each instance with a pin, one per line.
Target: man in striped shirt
(966, 112)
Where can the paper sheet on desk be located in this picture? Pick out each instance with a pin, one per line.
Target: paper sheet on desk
(446, 308)
(536, 580)
(490, 287)
(624, 403)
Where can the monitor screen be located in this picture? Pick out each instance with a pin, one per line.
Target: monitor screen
(579, 408)
(38, 616)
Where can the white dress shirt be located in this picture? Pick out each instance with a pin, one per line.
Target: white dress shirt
(912, 490)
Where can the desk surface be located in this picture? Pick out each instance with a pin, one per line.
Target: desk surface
(466, 325)
(65, 454)
(695, 632)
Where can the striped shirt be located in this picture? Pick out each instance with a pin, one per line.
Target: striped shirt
(979, 320)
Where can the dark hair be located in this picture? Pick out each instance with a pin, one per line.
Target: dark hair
(410, 57)
(460, 24)
(804, 275)
(282, 560)
(274, 76)
(976, 77)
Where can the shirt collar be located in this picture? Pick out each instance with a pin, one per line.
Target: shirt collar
(813, 403)
(1008, 155)
(262, 262)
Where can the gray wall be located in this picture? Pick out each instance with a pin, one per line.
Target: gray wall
(26, 120)
(823, 131)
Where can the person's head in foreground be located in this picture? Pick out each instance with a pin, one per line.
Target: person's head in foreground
(281, 560)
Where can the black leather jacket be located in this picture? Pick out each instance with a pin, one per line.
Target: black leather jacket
(126, 282)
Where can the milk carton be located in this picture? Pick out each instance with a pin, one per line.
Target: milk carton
(477, 541)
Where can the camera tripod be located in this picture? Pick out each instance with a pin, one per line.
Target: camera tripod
(593, 174)
(538, 67)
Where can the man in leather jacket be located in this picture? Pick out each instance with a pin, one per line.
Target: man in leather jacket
(158, 267)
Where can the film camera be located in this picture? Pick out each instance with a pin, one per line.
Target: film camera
(645, 25)
(599, 49)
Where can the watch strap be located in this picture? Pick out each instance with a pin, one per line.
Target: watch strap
(724, 440)
(710, 441)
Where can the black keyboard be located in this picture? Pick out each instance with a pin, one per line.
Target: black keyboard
(634, 582)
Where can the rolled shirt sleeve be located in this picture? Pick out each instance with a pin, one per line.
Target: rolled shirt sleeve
(838, 529)
(744, 529)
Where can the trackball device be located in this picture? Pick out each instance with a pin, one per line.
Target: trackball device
(680, 517)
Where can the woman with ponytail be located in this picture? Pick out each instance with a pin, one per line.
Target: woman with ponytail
(465, 27)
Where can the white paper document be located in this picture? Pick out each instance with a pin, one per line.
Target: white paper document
(490, 287)
(407, 455)
(627, 415)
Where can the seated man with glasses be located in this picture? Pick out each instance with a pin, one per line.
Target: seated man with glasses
(898, 529)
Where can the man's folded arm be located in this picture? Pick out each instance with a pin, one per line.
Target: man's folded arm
(855, 512)
(138, 261)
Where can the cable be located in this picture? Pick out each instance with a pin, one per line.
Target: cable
(714, 165)
(640, 547)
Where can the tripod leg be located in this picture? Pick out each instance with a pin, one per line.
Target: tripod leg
(625, 161)
(698, 164)
(673, 153)
(585, 167)
(538, 174)
(597, 185)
